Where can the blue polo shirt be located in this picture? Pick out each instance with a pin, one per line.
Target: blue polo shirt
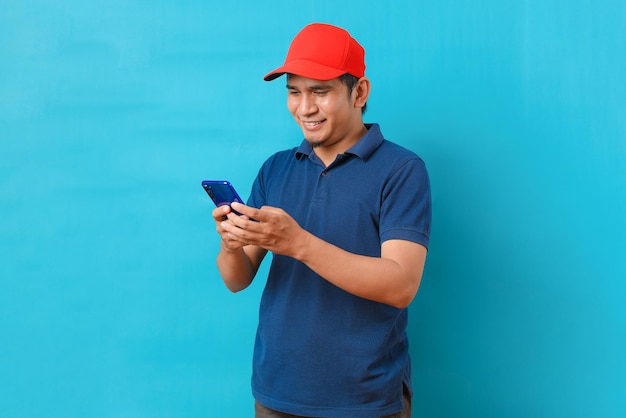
(319, 350)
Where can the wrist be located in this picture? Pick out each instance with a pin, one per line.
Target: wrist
(303, 249)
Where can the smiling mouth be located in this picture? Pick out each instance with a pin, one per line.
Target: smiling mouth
(312, 124)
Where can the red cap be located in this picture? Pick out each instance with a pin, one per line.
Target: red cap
(322, 52)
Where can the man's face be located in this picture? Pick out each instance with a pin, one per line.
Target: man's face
(323, 109)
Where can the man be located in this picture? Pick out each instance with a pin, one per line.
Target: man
(346, 216)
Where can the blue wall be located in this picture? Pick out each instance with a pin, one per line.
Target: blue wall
(112, 112)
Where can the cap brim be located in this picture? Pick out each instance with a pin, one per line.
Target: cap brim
(305, 68)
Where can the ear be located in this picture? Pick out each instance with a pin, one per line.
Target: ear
(361, 92)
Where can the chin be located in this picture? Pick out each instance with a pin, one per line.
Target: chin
(314, 144)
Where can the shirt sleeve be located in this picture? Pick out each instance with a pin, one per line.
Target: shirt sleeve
(257, 196)
(406, 204)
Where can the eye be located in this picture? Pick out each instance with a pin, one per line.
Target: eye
(320, 92)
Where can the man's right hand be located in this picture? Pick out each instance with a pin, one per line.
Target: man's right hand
(219, 216)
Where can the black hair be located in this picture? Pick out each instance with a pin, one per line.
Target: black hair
(350, 81)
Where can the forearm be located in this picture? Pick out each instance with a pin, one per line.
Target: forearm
(235, 267)
(392, 279)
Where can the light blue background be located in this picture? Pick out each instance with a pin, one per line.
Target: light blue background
(112, 112)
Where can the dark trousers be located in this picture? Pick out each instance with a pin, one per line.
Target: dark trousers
(263, 412)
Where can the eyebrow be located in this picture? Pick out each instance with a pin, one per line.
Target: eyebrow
(312, 87)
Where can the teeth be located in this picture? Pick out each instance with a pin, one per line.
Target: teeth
(312, 123)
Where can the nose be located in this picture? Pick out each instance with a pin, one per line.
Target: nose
(307, 105)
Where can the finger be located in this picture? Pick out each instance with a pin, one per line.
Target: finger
(234, 238)
(237, 220)
(220, 212)
(271, 209)
(243, 229)
(250, 212)
(231, 244)
(234, 225)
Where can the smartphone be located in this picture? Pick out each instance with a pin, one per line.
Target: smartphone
(221, 192)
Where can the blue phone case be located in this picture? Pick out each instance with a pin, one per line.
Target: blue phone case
(221, 192)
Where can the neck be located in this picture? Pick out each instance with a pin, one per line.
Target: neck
(328, 153)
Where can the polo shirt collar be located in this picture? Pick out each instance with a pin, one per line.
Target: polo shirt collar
(362, 149)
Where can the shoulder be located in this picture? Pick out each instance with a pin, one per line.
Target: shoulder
(393, 157)
(389, 147)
